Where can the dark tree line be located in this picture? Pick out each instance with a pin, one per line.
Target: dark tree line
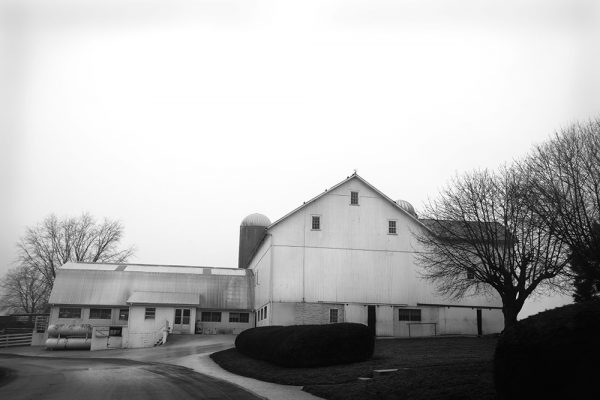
(50, 244)
(529, 227)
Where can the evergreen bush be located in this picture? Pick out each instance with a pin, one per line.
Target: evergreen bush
(308, 345)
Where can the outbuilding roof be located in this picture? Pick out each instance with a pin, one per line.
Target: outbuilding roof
(117, 285)
(180, 299)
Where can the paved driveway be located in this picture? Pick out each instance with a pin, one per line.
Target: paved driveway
(178, 369)
(143, 375)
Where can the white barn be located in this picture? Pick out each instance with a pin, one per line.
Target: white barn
(347, 255)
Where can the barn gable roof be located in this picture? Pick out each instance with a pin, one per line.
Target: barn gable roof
(348, 179)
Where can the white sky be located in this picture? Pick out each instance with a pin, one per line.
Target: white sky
(180, 118)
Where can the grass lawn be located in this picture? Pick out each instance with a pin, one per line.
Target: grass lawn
(428, 368)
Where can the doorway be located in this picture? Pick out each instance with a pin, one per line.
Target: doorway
(371, 319)
(479, 323)
(182, 320)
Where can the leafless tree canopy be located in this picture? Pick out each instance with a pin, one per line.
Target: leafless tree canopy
(483, 237)
(47, 246)
(24, 290)
(565, 194)
(566, 187)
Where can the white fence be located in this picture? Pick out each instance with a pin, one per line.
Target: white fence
(15, 339)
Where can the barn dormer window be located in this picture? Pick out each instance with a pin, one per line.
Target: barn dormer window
(354, 198)
(392, 227)
(316, 223)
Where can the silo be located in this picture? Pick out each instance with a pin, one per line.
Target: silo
(406, 206)
(252, 231)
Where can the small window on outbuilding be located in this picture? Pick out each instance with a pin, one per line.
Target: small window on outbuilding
(392, 227)
(470, 274)
(316, 222)
(265, 315)
(100, 313)
(115, 331)
(211, 316)
(150, 313)
(333, 315)
(354, 198)
(412, 315)
(69, 312)
(238, 317)
(123, 314)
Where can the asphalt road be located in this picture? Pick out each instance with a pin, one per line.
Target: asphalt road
(107, 378)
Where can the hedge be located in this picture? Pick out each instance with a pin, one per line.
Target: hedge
(553, 354)
(308, 345)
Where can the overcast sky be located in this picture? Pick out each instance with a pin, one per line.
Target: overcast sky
(180, 118)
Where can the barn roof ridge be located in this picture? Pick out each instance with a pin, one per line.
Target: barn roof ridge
(348, 179)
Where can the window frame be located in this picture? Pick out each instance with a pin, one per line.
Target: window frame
(312, 222)
(332, 312)
(210, 316)
(237, 317)
(69, 310)
(410, 315)
(149, 313)
(392, 223)
(101, 313)
(354, 201)
(124, 311)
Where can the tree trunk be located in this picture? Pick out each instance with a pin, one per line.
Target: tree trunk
(510, 312)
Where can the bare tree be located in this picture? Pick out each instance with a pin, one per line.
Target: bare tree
(24, 290)
(565, 194)
(483, 237)
(50, 244)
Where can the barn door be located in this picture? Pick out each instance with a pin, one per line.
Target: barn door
(371, 319)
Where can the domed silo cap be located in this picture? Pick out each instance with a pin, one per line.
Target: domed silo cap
(406, 206)
(256, 220)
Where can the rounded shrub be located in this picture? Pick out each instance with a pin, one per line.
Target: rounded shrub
(553, 354)
(308, 345)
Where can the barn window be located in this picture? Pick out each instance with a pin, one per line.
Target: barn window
(211, 316)
(186, 316)
(69, 312)
(115, 331)
(150, 313)
(392, 227)
(354, 198)
(100, 313)
(405, 314)
(265, 311)
(238, 317)
(333, 315)
(316, 222)
(470, 273)
(123, 314)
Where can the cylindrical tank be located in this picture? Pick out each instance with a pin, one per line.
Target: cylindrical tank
(70, 330)
(252, 231)
(68, 343)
